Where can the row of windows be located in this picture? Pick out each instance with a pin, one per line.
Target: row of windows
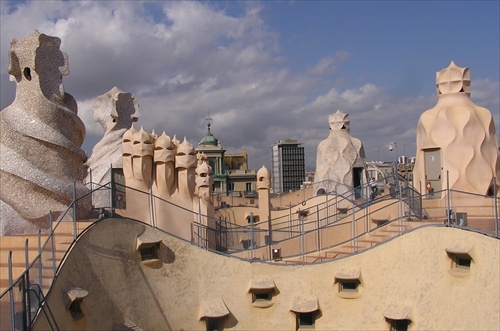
(293, 181)
(293, 161)
(292, 150)
(347, 288)
(297, 156)
(348, 285)
(289, 166)
(294, 173)
(260, 298)
(300, 176)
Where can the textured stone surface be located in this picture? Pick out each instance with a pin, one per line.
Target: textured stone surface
(40, 137)
(115, 111)
(337, 157)
(463, 132)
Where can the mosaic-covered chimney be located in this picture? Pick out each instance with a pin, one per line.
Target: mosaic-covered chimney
(40, 138)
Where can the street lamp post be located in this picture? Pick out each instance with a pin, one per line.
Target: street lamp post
(394, 147)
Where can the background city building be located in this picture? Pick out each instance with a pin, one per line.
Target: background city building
(215, 157)
(288, 168)
(231, 173)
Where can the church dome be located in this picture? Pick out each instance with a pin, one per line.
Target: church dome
(209, 138)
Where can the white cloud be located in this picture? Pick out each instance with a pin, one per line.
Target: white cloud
(193, 58)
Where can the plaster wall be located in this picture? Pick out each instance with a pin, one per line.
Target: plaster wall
(411, 272)
(291, 199)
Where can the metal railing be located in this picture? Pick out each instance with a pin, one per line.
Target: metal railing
(24, 296)
(309, 229)
(314, 224)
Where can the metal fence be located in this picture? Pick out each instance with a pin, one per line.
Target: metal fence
(310, 230)
(21, 300)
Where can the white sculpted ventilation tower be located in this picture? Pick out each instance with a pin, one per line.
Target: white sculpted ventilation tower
(456, 137)
(340, 161)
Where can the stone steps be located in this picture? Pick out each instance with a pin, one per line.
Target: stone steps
(63, 238)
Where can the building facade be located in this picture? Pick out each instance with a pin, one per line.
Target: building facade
(230, 171)
(288, 168)
(241, 181)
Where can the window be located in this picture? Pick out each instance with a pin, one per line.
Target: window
(348, 282)
(462, 261)
(399, 325)
(262, 291)
(75, 309)
(248, 187)
(148, 247)
(262, 296)
(214, 323)
(149, 252)
(306, 311)
(306, 320)
(348, 285)
(214, 312)
(73, 299)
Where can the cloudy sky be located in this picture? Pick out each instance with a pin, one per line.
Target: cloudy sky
(269, 70)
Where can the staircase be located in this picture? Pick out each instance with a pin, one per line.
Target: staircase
(377, 236)
(63, 238)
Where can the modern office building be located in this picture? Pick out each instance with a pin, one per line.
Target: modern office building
(288, 166)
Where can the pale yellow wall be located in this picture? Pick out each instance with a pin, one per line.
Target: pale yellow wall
(293, 198)
(410, 271)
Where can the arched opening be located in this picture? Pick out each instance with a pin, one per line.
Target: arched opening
(27, 73)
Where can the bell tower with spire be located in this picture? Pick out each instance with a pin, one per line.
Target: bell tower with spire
(212, 148)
